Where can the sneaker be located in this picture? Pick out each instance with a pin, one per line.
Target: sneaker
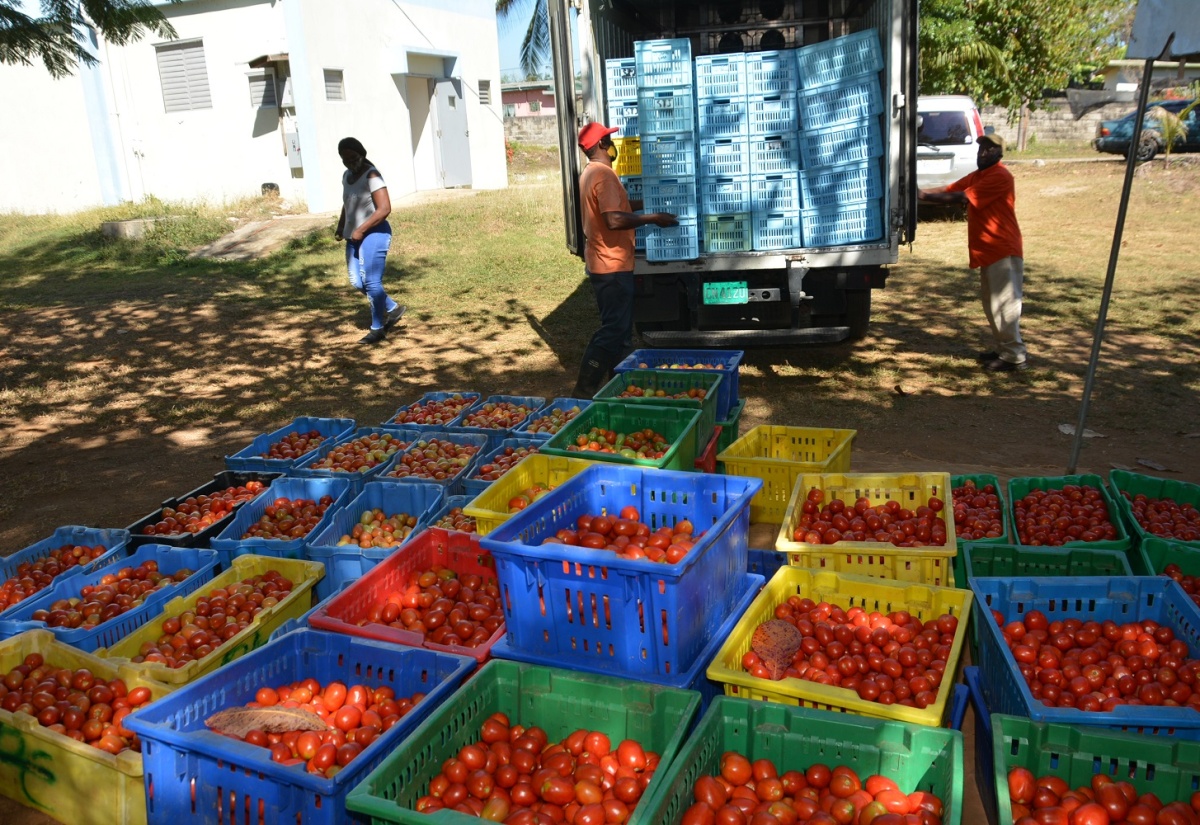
(1000, 365)
(394, 315)
(990, 355)
(373, 337)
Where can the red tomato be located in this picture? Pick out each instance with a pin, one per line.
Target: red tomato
(1021, 786)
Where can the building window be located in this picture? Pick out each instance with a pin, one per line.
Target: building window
(535, 105)
(485, 92)
(510, 110)
(262, 90)
(335, 88)
(183, 75)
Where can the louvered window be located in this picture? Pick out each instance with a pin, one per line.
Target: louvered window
(485, 92)
(184, 76)
(335, 88)
(262, 90)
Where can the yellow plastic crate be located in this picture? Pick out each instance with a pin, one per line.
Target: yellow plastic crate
(629, 156)
(844, 591)
(304, 576)
(922, 565)
(778, 455)
(52, 773)
(490, 508)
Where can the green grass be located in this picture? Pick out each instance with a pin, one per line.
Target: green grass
(1053, 150)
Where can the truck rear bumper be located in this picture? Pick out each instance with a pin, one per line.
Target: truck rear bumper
(744, 337)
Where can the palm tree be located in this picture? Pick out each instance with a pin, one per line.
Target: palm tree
(1171, 127)
(535, 46)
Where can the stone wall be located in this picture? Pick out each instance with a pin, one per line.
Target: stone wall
(534, 131)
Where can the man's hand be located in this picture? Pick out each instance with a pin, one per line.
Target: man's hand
(356, 236)
(662, 219)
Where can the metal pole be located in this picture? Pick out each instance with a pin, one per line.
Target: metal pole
(1113, 255)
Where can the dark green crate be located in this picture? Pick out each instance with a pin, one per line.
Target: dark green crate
(917, 757)
(670, 382)
(981, 480)
(1075, 753)
(1154, 554)
(1182, 492)
(673, 423)
(1018, 488)
(558, 701)
(731, 428)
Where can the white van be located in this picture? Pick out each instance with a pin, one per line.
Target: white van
(947, 128)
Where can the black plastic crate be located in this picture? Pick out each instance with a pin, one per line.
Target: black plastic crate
(222, 480)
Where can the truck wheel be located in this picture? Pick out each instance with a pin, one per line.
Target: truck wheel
(858, 312)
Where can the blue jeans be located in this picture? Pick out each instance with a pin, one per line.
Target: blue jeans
(365, 262)
(614, 298)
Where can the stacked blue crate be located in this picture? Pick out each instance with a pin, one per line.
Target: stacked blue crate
(667, 128)
(840, 102)
(723, 128)
(774, 143)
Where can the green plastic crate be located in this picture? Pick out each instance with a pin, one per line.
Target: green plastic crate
(558, 701)
(918, 758)
(1122, 481)
(670, 382)
(981, 480)
(1018, 488)
(730, 428)
(1154, 554)
(1153, 764)
(673, 423)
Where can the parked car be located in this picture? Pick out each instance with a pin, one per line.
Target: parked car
(1113, 136)
(947, 128)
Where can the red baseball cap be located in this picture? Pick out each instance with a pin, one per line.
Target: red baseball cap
(590, 135)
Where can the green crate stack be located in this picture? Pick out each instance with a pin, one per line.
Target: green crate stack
(1154, 554)
(673, 423)
(670, 382)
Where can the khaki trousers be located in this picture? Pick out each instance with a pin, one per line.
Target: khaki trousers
(1000, 290)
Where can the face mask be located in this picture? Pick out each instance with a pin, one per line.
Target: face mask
(612, 152)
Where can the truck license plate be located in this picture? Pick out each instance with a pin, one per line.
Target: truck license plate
(720, 293)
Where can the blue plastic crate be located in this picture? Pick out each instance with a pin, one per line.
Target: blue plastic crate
(115, 540)
(779, 192)
(633, 186)
(452, 486)
(691, 678)
(230, 543)
(727, 233)
(301, 622)
(846, 101)
(674, 243)
(357, 480)
(843, 144)
(348, 562)
(623, 116)
(777, 230)
(665, 112)
(668, 156)
(495, 435)
(725, 361)
(771, 73)
(249, 458)
(765, 562)
(722, 118)
(773, 115)
(563, 404)
(474, 486)
(391, 423)
(724, 195)
(725, 158)
(193, 773)
(838, 59)
(849, 223)
(985, 761)
(643, 617)
(674, 195)
(1121, 599)
(663, 63)
(19, 617)
(221, 481)
(832, 186)
(620, 77)
(448, 504)
(720, 76)
(639, 239)
(774, 154)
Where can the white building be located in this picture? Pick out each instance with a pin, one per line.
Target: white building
(260, 91)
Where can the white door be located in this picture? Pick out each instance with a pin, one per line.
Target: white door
(454, 148)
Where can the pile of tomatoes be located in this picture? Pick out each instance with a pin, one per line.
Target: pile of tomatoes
(117, 593)
(215, 619)
(1049, 800)
(356, 715)
(74, 703)
(1051, 518)
(496, 415)
(552, 420)
(376, 529)
(436, 459)
(196, 513)
(977, 512)
(444, 608)
(645, 445)
(644, 366)
(1190, 584)
(435, 412)
(502, 462)
(293, 445)
(32, 576)
(888, 522)
(634, 391)
(456, 519)
(755, 792)
(1165, 517)
(1097, 666)
(513, 774)
(360, 454)
(894, 659)
(628, 537)
(286, 518)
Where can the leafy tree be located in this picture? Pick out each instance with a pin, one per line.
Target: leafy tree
(535, 46)
(55, 37)
(1172, 127)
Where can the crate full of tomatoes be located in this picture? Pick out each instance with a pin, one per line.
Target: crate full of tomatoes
(280, 450)
(194, 518)
(34, 568)
(282, 519)
(1157, 507)
(1066, 511)
(649, 436)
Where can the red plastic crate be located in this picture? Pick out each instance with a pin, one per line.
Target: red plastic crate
(706, 462)
(461, 552)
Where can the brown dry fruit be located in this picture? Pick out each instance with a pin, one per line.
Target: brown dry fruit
(776, 642)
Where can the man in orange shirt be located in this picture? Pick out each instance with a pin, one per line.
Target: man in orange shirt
(994, 243)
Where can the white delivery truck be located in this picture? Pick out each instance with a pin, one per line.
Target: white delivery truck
(816, 291)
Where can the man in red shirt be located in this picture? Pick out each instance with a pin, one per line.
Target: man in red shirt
(608, 226)
(994, 243)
